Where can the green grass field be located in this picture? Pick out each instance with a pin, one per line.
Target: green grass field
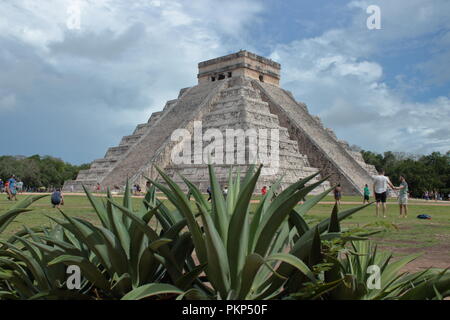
(432, 237)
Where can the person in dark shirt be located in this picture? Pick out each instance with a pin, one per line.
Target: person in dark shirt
(57, 198)
(338, 194)
(209, 193)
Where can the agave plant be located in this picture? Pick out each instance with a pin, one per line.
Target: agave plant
(122, 257)
(223, 250)
(13, 273)
(262, 255)
(353, 264)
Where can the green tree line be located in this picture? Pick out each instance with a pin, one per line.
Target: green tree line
(423, 173)
(39, 171)
(427, 172)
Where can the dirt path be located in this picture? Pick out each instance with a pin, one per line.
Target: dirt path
(437, 256)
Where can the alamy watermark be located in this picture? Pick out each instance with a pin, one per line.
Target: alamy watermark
(74, 279)
(374, 280)
(230, 147)
(374, 20)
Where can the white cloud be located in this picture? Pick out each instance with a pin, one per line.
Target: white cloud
(126, 60)
(337, 75)
(130, 57)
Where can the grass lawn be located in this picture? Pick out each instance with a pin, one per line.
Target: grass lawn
(410, 235)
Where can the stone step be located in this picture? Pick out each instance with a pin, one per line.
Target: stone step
(131, 139)
(141, 128)
(331, 151)
(156, 142)
(240, 91)
(103, 163)
(239, 100)
(117, 151)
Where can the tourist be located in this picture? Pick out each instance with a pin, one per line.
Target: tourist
(225, 191)
(403, 197)
(208, 191)
(19, 186)
(264, 191)
(366, 194)
(148, 185)
(8, 194)
(2, 186)
(337, 194)
(12, 188)
(57, 198)
(98, 188)
(380, 184)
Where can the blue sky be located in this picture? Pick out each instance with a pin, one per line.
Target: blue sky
(74, 93)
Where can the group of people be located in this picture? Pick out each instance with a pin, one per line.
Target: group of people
(434, 195)
(12, 186)
(135, 189)
(264, 190)
(381, 182)
(380, 189)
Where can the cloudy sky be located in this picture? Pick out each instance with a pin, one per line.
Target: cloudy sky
(72, 93)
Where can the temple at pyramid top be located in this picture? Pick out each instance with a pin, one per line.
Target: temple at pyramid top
(242, 63)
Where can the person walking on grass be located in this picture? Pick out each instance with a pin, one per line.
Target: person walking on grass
(338, 194)
(403, 197)
(8, 194)
(366, 194)
(380, 184)
(19, 186)
(12, 188)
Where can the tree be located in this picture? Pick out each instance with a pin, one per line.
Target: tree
(427, 172)
(39, 171)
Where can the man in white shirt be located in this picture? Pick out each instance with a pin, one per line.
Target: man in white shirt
(380, 184)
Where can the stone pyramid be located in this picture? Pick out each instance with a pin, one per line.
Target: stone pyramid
(239, 91)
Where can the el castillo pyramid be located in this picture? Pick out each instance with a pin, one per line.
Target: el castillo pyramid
(236, 91)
